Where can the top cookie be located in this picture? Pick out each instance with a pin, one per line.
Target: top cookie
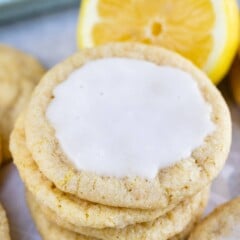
(172, 184)
(222, 224)
(19, 73)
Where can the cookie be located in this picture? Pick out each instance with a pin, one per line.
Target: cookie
(164, 227)
(172, 184)
(47, 229)
(52, 231)
(186, 232)
(222, 224)
(69, 208)
(4, 229)
(19, 73)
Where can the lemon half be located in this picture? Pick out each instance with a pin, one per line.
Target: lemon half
(204, 31)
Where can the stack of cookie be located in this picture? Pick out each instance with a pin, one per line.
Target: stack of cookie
(121, 142)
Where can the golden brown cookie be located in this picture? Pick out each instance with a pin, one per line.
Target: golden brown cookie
(172, 184)
(222, 224)
(19, 73)
(4, 229)
(52, 231)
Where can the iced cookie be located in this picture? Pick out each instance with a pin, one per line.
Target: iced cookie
(69, 208)
(4, 229)
(19, 73)
(222, 224)
(52, 231)
(128, 125)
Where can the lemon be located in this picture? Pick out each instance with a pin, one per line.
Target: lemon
(204, 31)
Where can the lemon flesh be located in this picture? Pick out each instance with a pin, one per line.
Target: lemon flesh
(204, 31)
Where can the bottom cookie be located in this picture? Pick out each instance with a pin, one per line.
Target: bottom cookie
(52, 231)
(222, 224)
(4, 229)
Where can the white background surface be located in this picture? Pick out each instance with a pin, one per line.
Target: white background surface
(51, 38)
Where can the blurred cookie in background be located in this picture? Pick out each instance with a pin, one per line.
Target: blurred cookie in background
(4, 228)
(19, 73)
(222, 223)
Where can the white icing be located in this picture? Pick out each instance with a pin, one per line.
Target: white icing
(125, 117)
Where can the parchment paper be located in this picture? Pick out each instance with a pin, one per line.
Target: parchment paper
(51, 38)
